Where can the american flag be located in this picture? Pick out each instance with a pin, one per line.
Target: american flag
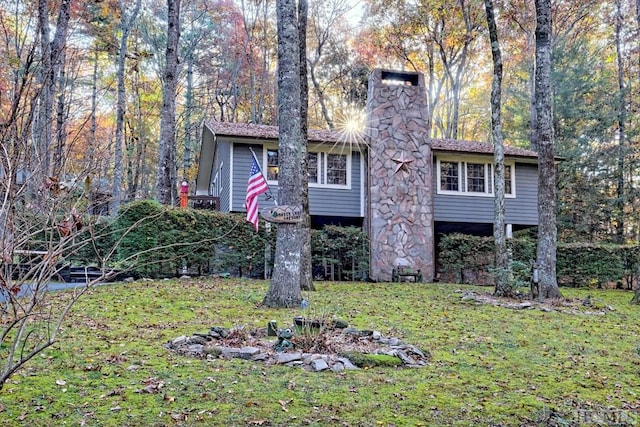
(257, 185)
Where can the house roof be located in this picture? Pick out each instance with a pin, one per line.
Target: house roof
(268, 132)
(454, 145)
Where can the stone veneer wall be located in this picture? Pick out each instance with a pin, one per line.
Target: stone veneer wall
(400, 216)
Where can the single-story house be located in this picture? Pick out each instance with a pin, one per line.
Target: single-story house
(378, 180)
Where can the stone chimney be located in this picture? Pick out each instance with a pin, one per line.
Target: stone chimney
(400, 216)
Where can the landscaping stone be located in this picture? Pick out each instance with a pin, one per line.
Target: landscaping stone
(319, 365)
(229, 352)
(196, 349)
(284, 358)
(197, 339)
(337, 366)
(248, 353)
(405, 358)
(222, 343)
(347, 364)
(179, 341)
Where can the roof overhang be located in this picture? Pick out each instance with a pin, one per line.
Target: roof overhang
(267, 133)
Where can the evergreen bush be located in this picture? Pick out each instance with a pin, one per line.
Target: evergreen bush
(159, 241)
(464, 258)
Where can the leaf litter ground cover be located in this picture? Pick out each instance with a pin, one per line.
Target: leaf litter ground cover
(490, 364)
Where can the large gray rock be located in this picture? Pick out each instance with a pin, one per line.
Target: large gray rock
(284, 358)
(319, 365)
(248, 353)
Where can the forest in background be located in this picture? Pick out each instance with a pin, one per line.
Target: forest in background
(81, 87)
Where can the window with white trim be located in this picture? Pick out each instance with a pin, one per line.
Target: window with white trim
(336, 168)
(449, 176)
(471, 177)
(326, 169)
(508, 184)
(313, 166)
(272, 165)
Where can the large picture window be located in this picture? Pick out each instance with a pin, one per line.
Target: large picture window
(325, 169)
(471, 177)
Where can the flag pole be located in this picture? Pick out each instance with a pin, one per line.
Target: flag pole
(267, 246)
(268, 195)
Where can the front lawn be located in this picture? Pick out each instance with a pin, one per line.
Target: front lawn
(566, 364)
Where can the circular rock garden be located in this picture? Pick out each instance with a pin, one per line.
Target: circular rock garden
(312, 345)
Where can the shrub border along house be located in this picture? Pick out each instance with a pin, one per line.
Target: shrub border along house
(159, 241)
(469, 259)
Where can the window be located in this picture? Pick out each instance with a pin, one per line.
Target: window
(272, 165)
(471, 177)
(449, 176)
(507, 180)
(216, 185)
(336, 169)
(313, 168)
(325, 169)
(476, 177)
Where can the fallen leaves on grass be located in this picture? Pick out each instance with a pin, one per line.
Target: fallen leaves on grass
(563, 305)
(153, 385)
(284, 403)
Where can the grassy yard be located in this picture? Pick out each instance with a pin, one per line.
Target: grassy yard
(572, 365)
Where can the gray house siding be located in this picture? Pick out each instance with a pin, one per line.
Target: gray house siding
(338, 202)
(241, 167)
(225, 161)
(522, 210)
(322, 201)
(223, 168)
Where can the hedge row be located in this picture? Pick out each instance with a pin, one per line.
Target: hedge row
(157, 241)
(469, 259)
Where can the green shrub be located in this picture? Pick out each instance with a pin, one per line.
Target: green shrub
(158, 241)
(464, 258)
(591, 264)
(345, 250)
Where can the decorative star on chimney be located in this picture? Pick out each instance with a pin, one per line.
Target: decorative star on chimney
(402, 162)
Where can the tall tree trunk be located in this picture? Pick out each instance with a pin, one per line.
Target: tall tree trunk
(264, 74)
(186, 158)
(636, 295)
(306, 278)
(284, 289)
(126, 24)
(533, 114)
(321, 98)
(91, 149)
(133, 141)
(547, 232)
(249, 19)
(622, 118)
(503, 287)
(61, 120)
(167, 182)
(52, 62)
